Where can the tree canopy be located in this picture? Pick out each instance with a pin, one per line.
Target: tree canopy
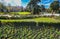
(2, 7)
(54, 6)
(33, 6)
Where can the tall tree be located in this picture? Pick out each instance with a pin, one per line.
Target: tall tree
(2, 7)
(54, 6)
(33, 6)
(42, 8)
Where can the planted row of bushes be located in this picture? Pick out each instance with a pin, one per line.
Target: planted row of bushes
(29, 30)
(26, 32)
(2, 17)
(10, 31)
(33, 24)
(22, 17)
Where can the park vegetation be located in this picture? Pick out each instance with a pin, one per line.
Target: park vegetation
(27, 24)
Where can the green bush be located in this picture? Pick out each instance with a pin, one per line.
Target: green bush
(9, 31)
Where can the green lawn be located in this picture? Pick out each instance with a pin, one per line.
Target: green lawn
(40, 19)
(1, 12)
(17, 13)
(12, 31)
(20, 13)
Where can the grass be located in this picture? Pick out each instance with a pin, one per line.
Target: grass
(1, 12)
(45, 19)
(20, 13)
(11, 31)
(24, 13)
(40, 19)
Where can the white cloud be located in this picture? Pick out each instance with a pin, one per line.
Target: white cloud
(12, 2)
(47, 4)
(17, 2)
(48, 1)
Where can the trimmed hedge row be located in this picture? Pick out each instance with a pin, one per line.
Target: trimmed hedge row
(0, 23)
(21, 17)
(25, 23)
(32, 24)
(56, 25)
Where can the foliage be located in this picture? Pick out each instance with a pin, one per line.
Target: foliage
(16, 13)
(28, 32)
(3, 8)
(42, 8)
(55, 6)
(33, 6)
(41, 19)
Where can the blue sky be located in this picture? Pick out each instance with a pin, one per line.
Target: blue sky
(24, 3)
(59, 0)
(46, 3)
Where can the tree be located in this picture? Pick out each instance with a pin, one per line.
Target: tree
(9, 8)
(2, 8)
(33, 6)
(42, 8)
(1, 5)
(59, 10)
(55, 6)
